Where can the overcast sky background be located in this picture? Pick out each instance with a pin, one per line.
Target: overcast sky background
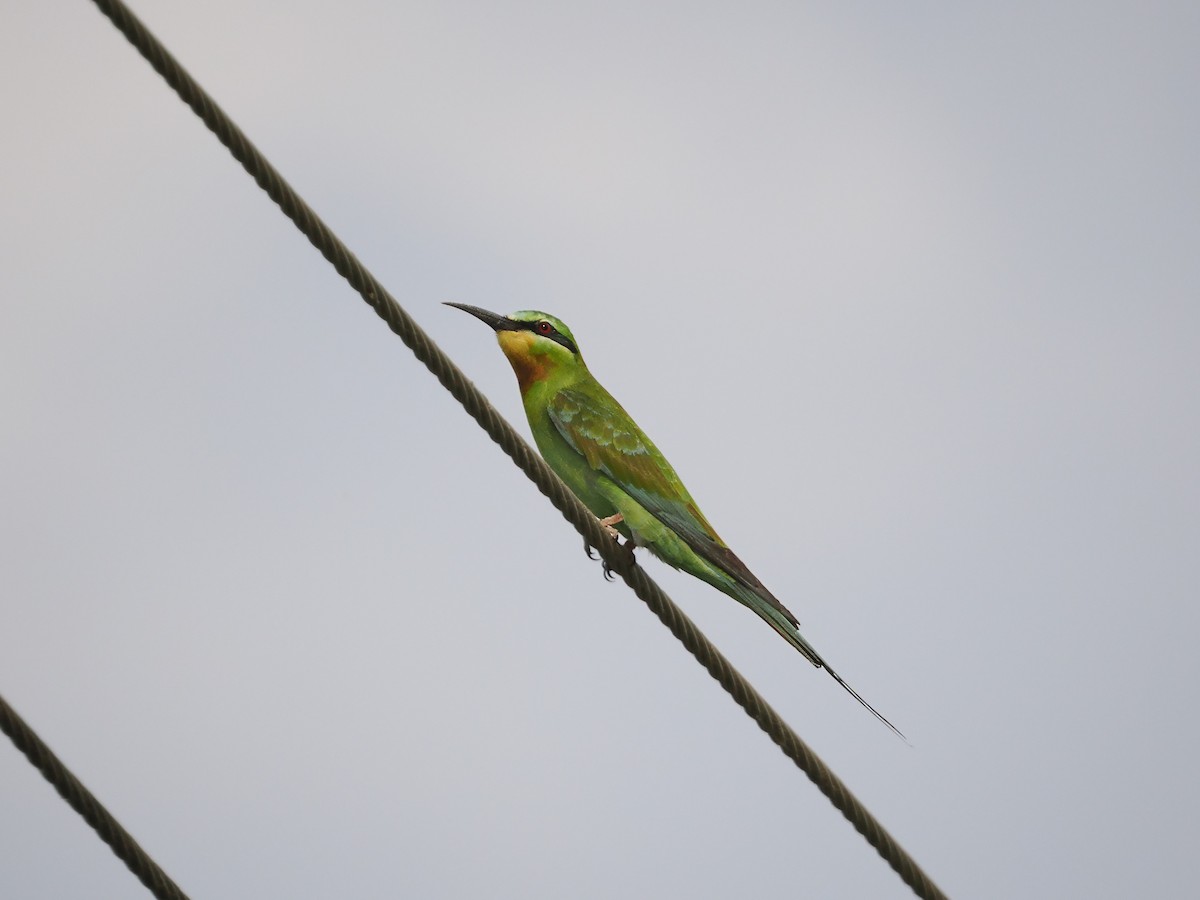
(908, 293)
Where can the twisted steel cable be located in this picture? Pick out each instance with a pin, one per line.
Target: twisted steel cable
(85, 803)
(478, 407)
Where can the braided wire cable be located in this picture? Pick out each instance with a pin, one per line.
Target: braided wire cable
(85, 803)
(478, 407)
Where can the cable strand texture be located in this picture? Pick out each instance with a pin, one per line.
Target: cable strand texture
(478, 407)
(85, 803)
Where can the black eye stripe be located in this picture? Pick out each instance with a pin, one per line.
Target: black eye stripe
(553, 334)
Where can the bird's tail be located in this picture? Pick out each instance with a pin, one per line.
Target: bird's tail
(777, 616)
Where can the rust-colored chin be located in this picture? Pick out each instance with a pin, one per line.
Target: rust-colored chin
(530, 367)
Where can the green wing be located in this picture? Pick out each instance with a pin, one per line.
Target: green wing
(599, 429)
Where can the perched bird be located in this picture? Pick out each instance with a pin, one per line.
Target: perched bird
(618, 473)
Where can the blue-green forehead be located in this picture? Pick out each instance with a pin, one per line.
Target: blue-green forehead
(534, 315)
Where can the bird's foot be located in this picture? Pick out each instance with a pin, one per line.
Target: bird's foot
(627, 547)
(608, 522)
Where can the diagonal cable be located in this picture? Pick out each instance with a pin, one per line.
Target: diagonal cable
(478, 407)
(85, 803)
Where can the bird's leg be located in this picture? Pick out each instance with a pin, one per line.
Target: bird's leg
(608, 522)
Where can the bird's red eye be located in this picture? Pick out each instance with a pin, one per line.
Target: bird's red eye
(544, 327)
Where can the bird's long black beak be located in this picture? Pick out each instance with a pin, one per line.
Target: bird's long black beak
(498, 322)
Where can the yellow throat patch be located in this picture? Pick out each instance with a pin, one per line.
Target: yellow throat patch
(530, 367)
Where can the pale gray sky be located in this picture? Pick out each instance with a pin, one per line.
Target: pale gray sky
(910, 296)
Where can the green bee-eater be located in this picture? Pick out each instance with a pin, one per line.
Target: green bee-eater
(618, 473)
